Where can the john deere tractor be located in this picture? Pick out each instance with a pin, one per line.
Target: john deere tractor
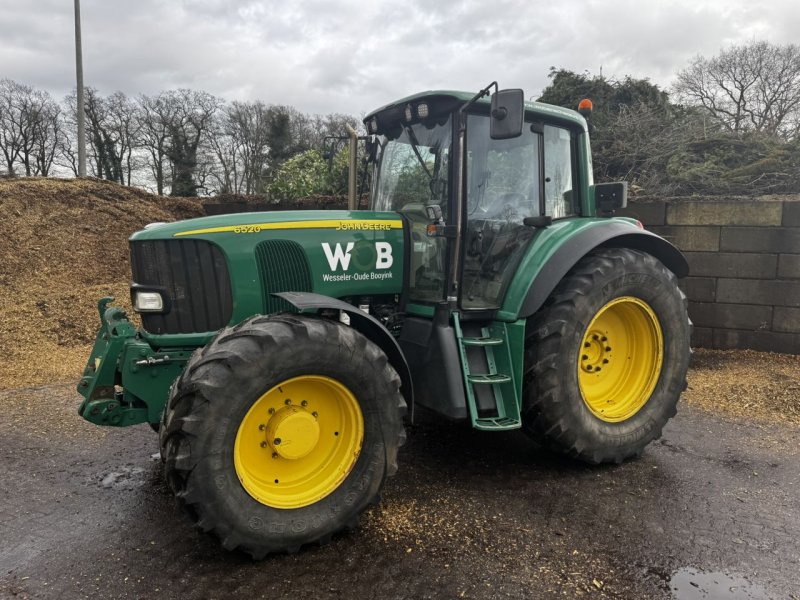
(490, 282)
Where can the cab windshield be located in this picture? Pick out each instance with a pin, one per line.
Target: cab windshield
(414, 172)
(414, 168)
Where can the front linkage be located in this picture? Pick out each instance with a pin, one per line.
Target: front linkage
(126, 381)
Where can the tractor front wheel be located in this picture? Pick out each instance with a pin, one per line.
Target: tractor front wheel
(606, 357)
(281, 431)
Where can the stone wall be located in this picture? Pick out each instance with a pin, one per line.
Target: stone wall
(744, 259)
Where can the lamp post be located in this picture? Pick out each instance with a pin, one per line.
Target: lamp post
(80, 108)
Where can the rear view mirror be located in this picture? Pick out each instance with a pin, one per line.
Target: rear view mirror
(508, 110)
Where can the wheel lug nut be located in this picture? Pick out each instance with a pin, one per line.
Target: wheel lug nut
(274, 455)
(271, 411)
(589, 368)
(315, 414)
(587, 345)
(605, 361)
(597, 369)
(595, 337)
(608, 348)
(261, 427)
(304, 403)
(287, 401)
(276, 442)
(585, 357)
(603, 339)
(263, 444)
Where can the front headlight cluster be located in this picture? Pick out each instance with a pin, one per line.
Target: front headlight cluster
(148, 301)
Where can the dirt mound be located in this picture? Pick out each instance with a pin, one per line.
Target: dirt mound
(64, 245)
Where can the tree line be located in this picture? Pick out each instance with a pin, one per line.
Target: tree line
(730, 124)
(180, 142)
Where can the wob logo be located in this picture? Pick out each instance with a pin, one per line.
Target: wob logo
(364, 255)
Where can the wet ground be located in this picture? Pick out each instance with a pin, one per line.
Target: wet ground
(710, 511)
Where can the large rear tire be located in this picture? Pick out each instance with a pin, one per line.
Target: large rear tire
(606, 357)
(281, 431)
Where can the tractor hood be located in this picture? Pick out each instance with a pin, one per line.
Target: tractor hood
(256, 222)
(203, 274)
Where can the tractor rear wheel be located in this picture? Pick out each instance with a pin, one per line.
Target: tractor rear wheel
(606, 357)
(281, 431)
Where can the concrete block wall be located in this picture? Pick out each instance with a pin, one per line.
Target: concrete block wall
(744, 259)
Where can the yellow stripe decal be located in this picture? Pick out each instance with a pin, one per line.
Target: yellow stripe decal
(339, 224)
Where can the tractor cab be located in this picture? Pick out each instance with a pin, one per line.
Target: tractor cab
(473, 199)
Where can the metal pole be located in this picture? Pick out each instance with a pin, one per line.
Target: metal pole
(80, 107)
(352, 201)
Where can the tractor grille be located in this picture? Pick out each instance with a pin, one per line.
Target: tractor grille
(283, 267)
(194, 275)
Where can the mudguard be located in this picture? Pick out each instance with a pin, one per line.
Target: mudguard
(614, 235)
(366, 324)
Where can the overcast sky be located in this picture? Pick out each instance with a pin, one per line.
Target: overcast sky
(347, 56)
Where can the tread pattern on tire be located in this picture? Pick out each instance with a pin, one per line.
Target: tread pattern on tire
(543, 418)
(203, 383)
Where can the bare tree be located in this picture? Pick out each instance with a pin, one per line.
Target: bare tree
(249, 123)
(31, 113)
(112, 126)
(752, 87)
(226, 173)
(12, 122)
(153, 135)
(29, 128)
(190, 114)
(49, 137)
(122, 128)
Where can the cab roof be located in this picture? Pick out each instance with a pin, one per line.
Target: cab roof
(532, 109)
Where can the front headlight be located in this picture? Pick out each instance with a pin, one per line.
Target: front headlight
(148, 302)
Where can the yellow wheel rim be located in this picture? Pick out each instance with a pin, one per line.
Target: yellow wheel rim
(298, 441)
(620, 359)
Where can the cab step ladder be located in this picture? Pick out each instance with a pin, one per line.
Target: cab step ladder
(500, 377)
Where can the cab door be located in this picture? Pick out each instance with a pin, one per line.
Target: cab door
(508, 180)
(504, 185)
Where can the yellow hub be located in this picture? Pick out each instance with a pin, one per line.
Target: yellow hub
(298, 441)
(293, 432)
(620, 359)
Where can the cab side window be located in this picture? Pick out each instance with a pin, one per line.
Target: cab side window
(560, 201)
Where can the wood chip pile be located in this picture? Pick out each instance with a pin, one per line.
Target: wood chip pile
(64, 245)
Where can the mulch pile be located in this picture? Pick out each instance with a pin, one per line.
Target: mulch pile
(744, 383)
(64, 245)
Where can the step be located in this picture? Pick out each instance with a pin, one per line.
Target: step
(497, 424)
(489, 379)
(482, 341)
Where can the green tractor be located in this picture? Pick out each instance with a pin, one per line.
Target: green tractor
(489, 282)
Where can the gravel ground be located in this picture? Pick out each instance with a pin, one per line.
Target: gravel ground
(713, 506)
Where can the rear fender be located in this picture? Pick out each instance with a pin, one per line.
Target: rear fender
(615, 235)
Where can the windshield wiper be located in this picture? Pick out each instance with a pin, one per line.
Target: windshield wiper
(415, 147)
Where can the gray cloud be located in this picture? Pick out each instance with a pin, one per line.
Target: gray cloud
(349, 56)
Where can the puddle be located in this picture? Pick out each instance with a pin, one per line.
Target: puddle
(124, 478)
(694, 584)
